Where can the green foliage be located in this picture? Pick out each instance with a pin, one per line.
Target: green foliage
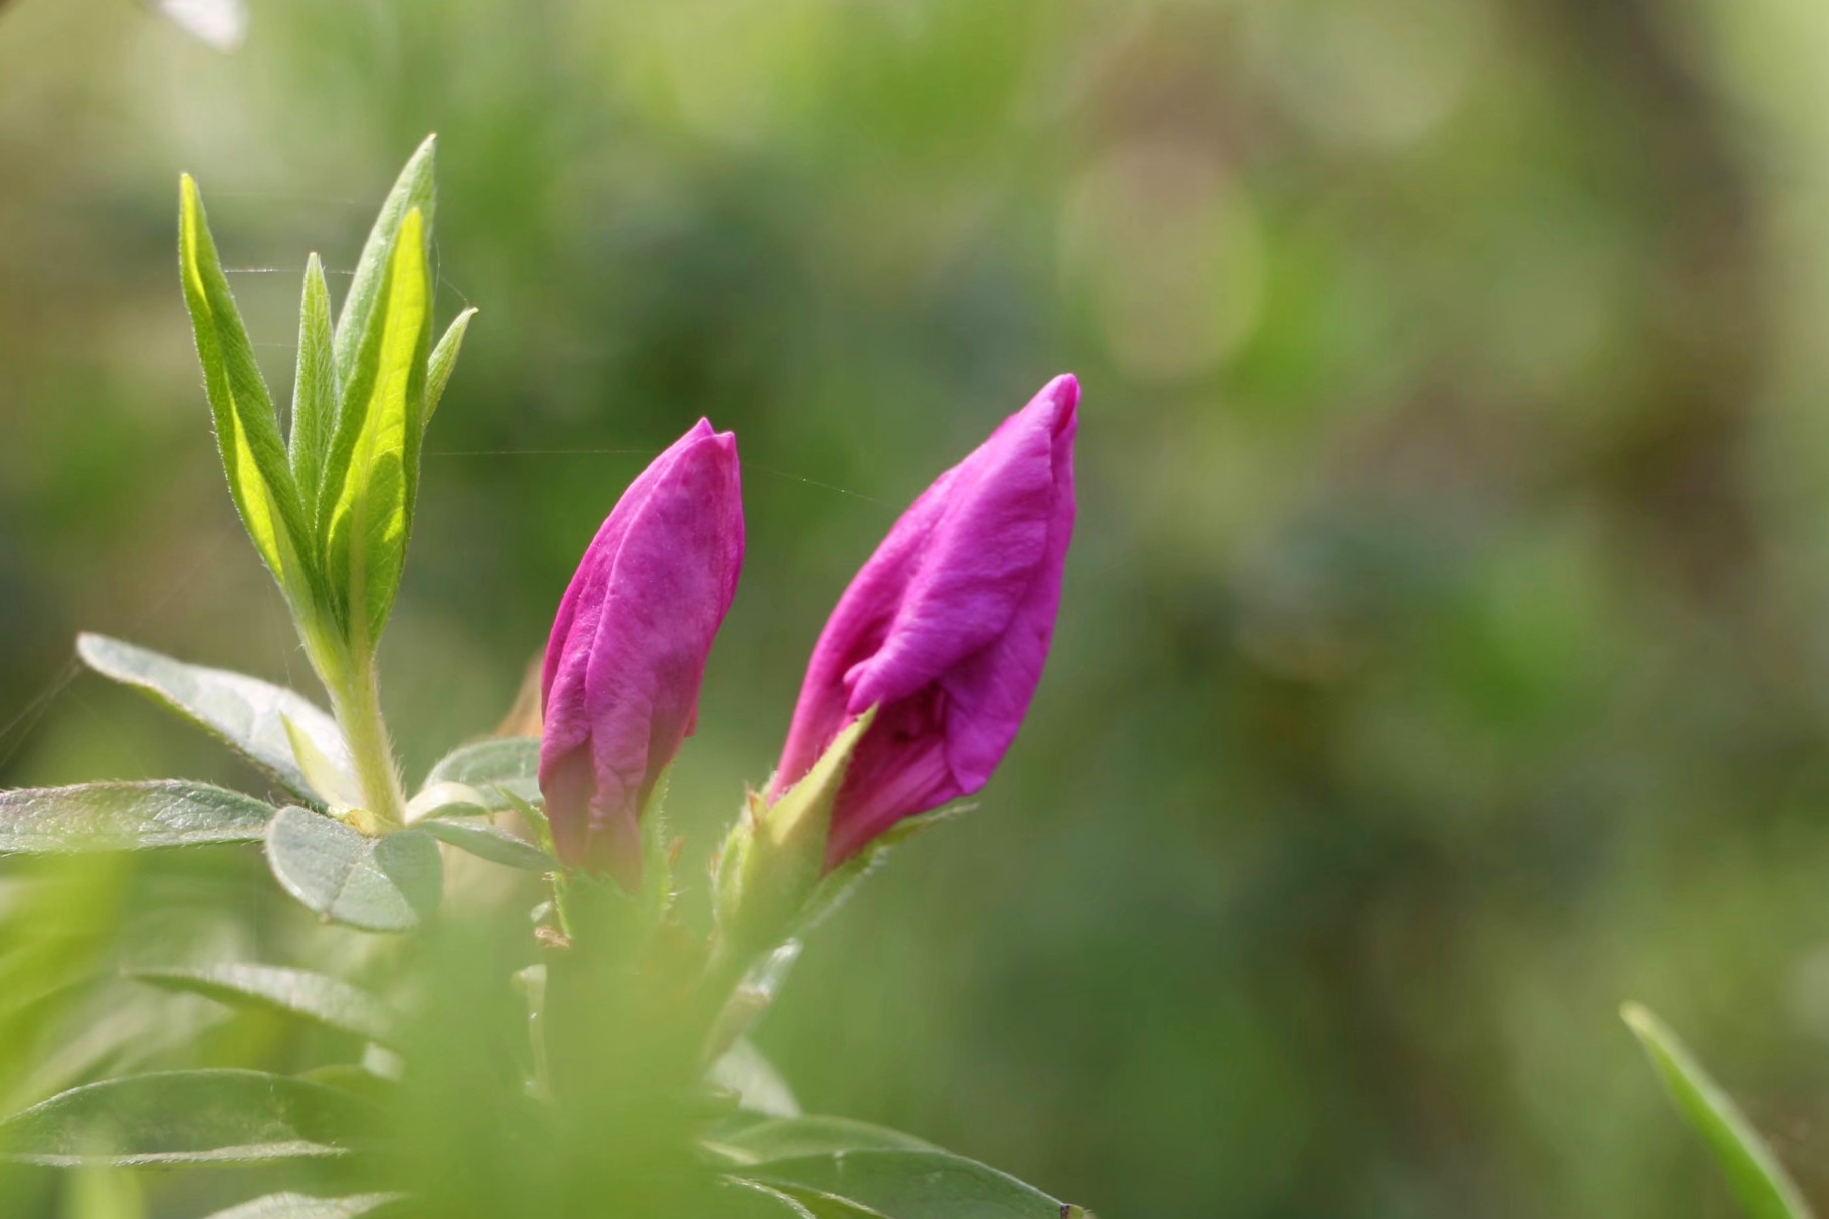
(376, 884)
(215, 1117)
(901, 1184)
(328, 1001)
(501, 765)
(244, 713)
(127, 816)
(304, 1206)
(488, 841)
(1753, 1172)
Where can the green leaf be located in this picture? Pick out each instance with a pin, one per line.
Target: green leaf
(244, 713)
(509, 763)
(759, 1086)
(415, 188)
(376, 884)
(260, 479)
(189, 1117)
(488, 841)
(749, 1200)
(1753, 1172)
(303, 1206)
(328, 1001)
(127, 816)
(444, 360)
(910, 1185)
(314, 390)
(792, 1138)
(366, 513)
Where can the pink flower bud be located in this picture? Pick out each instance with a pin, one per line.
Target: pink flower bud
(620, 689)
(944, 630)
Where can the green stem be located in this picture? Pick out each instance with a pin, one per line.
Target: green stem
(357, 702)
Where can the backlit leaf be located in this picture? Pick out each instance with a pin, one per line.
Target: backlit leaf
(444, 359)
(314, 390)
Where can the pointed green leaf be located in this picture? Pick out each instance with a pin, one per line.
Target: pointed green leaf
(376, 884)
(792, 1138)
(328, 1001)
(414, 188)
(1754, 1174)
(444, 360)
(304, 1206)
(314, 391)
(260, 480)
(487, 841)
(509, 763)
(190, 1117)
(127, 816)
(910, 1185)
(373, 472)
(244, 713)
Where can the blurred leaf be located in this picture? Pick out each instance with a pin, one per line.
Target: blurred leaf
(329, 1001)
(314, 390)
(127, 816)
(260, 478)
(95, 1192)
(910, 1185)
(488, 841)
(371, 477)
(446, 799)
(796, 1137)
(1753, 1172)
(376, 884)
(444, 360)
(223, 24)
(303, 1206)
(414, 188)
(510, 763)
(244, 713)
(189, 1117)
(749, 1200)
(759, 1086)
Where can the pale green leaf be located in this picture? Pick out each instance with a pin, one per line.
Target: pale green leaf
(324, 1000)
(488, 841)
(446, 799)
(189, 1117)
(790, 1138)
(413, 189)
(253, 457)
(127, 816)
(244, 713)
(372, 475)
(511, 764)
(910, 1185)
(304, 1206)
(377, 884)
(760, 1088)
(329, 778)
(444, 360)
(1754, 1174)
(750, 1200)
(314, 390)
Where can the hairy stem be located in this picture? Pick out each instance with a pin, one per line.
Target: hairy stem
(357, 702)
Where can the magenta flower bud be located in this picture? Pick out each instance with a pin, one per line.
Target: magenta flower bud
(944, 630)
(620, 689)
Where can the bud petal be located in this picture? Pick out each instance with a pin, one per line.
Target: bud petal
(944, 630)
(621, 680)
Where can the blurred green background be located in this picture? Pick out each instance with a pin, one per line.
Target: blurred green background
(1444, 656)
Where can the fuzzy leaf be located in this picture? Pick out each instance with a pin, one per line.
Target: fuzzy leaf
(1754, 1174)
(328, 1001)
(244, 713)
(376, 884)
(414, 188)
(488, 841)
(127, 816)
(304, 1206)
(509, 763)
(910, 1185)
(260, 479)
(373, 472)
(444, 360)
(314, 390)
(189, 1117)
